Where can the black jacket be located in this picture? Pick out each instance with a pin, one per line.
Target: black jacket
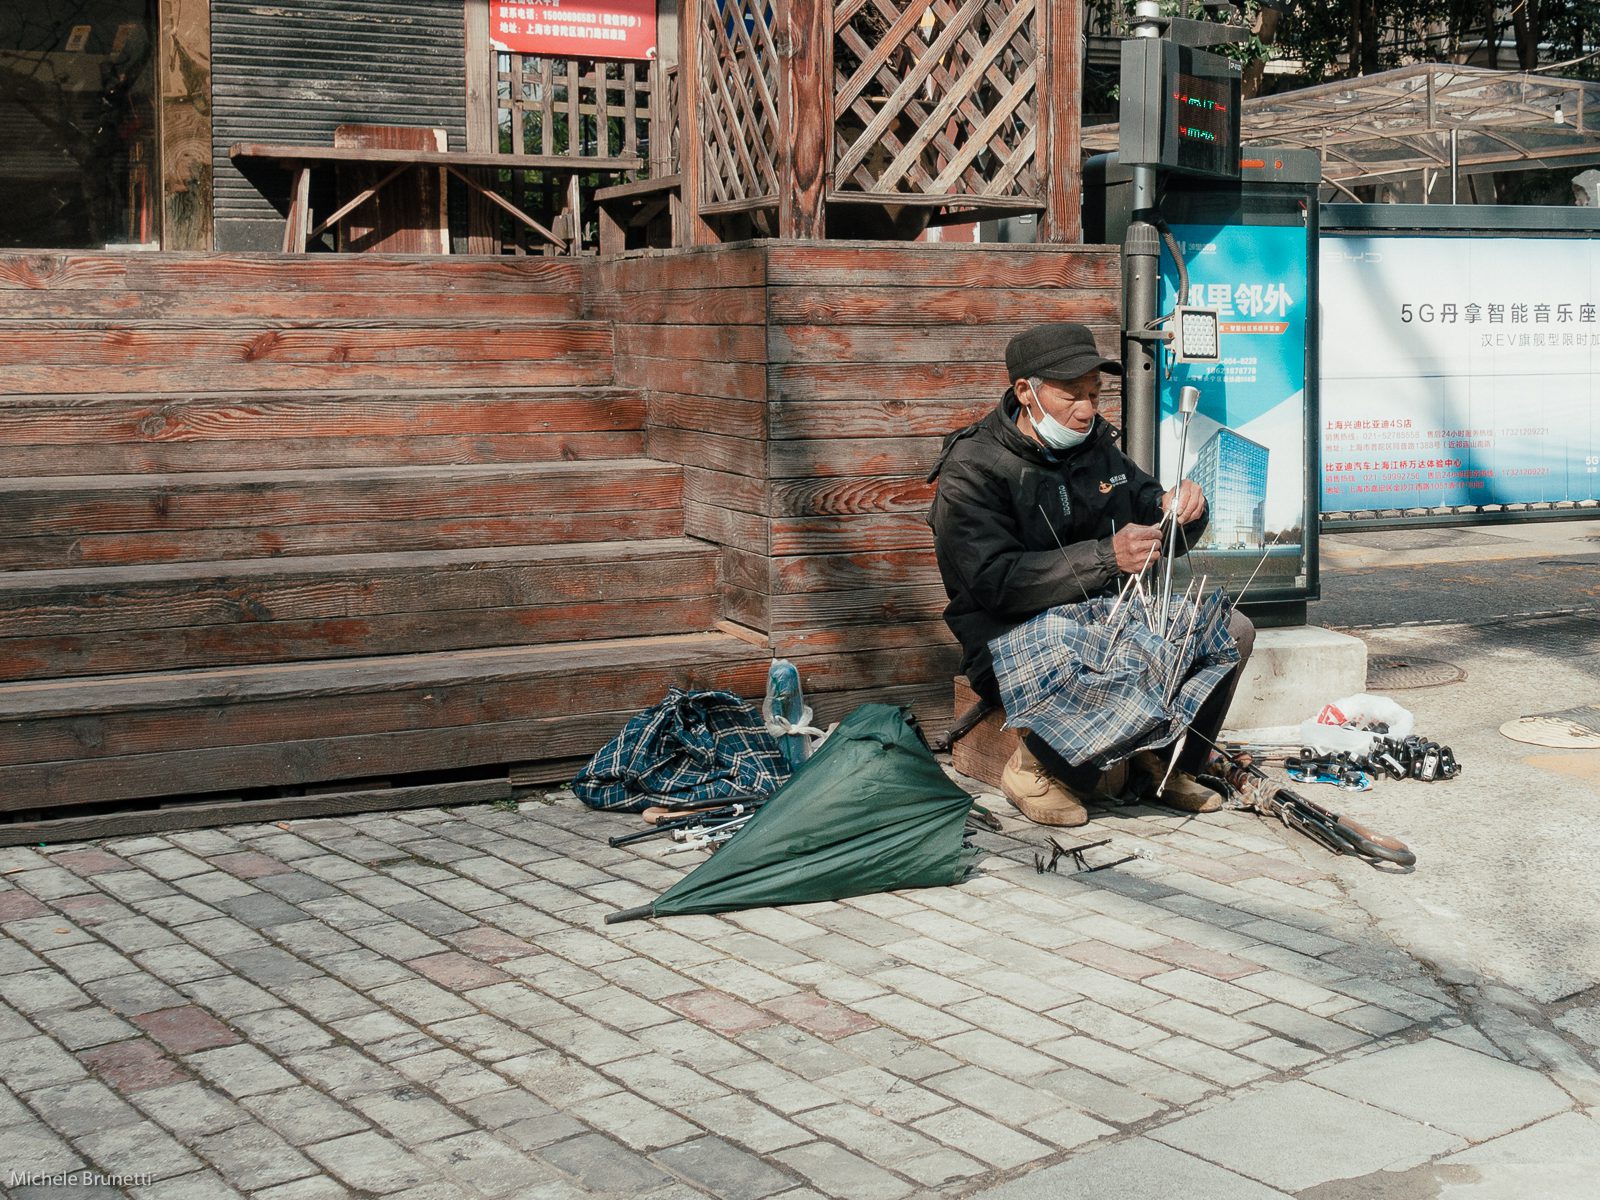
(1019, 528)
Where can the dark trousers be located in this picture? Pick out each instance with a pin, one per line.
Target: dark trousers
(1207, 722)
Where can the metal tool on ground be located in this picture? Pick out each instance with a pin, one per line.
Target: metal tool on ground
(1057, 852)
(699, 819)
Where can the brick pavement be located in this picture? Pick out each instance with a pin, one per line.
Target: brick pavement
(427, 1005)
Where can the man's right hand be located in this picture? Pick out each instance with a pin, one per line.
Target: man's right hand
(1137, 547)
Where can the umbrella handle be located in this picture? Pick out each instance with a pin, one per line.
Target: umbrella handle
(630, 914)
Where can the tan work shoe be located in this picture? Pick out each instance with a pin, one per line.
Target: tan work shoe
(1182, 792)
(1039, 795)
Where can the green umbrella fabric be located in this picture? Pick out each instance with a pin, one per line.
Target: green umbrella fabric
(868, 812)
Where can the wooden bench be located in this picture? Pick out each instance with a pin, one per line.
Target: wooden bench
(300, 161)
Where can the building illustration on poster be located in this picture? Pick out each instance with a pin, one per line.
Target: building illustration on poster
(1475, 381)
(1247, 442)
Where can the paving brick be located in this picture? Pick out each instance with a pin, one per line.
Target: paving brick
(1325, 1035)
(928, 987)
(296, 888)
(93, 911)
(345, 912)
(51, 883)
(42, 990)
(320, 1187)
(199, 1185)
(82, 1028)
(647, 979)
(134, 1065)
(170, 864)
(485, 1038)
(556, 1078)
(422, 1001)
(451, 1076)
(344, 1072)
(494, 1168)
(371, 1162)
(898, 1055)
(1208, 1062)
(486, 943)
(837, 1172)
(604, 1166)
(185, 1030)
(1101, 1097)
(1141, 1074)
(1009, 1020)
(180, 964)
(989, 1141)
(50, 934)
(981, 1048)
(911, 1017)
(241, 1070)
(456, 971)
(752, 1125)
(90, 962)
(189, 1110)
(819, 1016)
(249, 864)
(311, 939)
(302, 1114)
(1214, 1028)
(20, 906)
(994, 1094)
(553, 976)
(37, 1062)
(1279, 1054)
(776, 1087)
(281, 1031)
(364, 969)
(719, 1011)
(398, 941)
(81, 1107)
(634, 1121)
(252, 1157)
(409, 1115)
(142, 1148)
(1113, 991)
(724, 1170)
(216, 888)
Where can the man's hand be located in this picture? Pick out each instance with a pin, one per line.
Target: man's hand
(1191, 501)
(1137, 547)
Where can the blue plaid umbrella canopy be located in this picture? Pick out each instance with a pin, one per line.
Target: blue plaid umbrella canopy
(1099, 688)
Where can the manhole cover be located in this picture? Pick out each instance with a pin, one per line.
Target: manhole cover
(1571, 728)
(1395, 672)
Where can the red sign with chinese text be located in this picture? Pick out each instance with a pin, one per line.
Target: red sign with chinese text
(576, 28)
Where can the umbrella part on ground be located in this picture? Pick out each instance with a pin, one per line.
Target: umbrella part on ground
(871, 811)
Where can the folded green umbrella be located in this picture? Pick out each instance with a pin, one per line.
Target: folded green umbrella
(870, 811)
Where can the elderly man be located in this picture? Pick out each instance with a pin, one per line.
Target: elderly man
(1037, 506)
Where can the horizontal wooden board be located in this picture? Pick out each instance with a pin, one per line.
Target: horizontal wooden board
(865, 606)
(661, 608)
(958, 381)
(751, 609)
(722, 488)
(929, 703)
(276, 764)
(878, 668)
(693, 448)
(874, 417)
(855, 533)
(184, 347)
(712, 305)
(812, 573)
(381, 274)
(747, 570)
(834, 457)
(866, 345)
(711, 414)
(95, 601)
(695, 343)
(727, 526)
(283, 704)
(259, 499)
(809, 497)
(183, 305)
(58, 551)
(286, 416)
(206, 815)
(694, 377)
(697, 268)
(790, 642)
(942, 264)
(168, 457)
(902, 302)
(151, 374)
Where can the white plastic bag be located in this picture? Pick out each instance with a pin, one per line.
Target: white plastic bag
(1326, 733)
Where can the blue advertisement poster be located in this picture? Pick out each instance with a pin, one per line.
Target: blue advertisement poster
(1459, 373)
(1246, 444)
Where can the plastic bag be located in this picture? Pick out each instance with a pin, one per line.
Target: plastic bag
(1326, 732)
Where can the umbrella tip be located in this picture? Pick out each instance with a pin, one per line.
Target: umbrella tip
(630, 914)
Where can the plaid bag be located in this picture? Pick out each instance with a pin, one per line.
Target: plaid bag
(693, 747)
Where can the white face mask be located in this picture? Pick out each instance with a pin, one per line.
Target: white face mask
(1052, 432)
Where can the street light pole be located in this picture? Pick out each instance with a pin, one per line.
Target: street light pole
(1141, 293)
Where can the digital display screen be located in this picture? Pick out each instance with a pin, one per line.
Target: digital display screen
(1201, 129)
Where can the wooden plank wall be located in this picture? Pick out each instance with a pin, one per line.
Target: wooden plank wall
(806, 387)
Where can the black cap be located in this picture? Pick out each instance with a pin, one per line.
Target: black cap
(1057, 351)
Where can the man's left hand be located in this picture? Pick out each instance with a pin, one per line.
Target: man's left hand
(1191, 501)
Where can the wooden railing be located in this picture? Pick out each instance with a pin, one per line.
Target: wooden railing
(957, 108)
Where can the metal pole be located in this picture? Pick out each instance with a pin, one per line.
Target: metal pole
(1188, 401)
(1455, 163)
(1141, 294)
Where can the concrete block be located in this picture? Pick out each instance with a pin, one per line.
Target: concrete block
(1293, 672)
